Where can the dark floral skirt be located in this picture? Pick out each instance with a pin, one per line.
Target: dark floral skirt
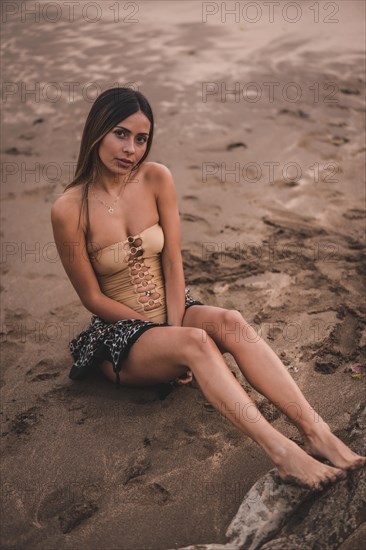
(111, 341)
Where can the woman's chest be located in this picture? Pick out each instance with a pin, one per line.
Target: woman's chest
(135, 211)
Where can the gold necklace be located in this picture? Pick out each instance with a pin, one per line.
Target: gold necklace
(109, 207)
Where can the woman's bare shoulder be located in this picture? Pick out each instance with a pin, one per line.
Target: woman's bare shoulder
(67, 203)
(155, 170)
(159, 176)
(155, 174)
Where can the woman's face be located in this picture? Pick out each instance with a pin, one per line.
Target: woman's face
(125, 144)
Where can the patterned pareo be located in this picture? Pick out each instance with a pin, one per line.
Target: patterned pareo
(111, 341)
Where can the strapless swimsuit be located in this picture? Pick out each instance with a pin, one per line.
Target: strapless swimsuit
(130, 272)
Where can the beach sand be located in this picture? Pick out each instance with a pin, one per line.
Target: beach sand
(271, 196)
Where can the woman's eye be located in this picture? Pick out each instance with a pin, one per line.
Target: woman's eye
(119, 132)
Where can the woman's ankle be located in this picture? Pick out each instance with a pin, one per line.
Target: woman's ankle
(313, 429)
(279, 449)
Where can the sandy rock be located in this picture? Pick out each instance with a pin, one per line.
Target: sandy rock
(298, 517)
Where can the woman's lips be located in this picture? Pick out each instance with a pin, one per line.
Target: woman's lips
(124, 163)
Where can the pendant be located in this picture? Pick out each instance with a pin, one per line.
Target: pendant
(110, 210)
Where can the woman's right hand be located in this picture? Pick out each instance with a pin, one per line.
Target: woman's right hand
(184, 378)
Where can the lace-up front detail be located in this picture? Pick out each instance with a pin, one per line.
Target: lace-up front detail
(130, 272)
(140, 275)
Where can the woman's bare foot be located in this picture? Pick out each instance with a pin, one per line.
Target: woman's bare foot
(323, 443)
(296, 466)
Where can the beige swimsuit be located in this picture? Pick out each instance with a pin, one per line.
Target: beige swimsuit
(130, 272)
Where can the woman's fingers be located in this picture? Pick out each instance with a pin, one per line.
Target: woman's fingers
(186, 380)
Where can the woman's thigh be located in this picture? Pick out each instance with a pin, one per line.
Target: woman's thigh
(159, 355)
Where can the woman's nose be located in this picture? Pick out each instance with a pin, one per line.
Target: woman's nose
(128, 146)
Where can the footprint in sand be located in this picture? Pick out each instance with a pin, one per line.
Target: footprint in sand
(236, 145)
(176, 437)
(338, 124)
(190, 197)
(158, 493)
(15, 151)
(311, 142)
(42, 371)
(345, 337)
(76, 514)
(299, 113)
(290, 225)
(350, 91)
(138, 466)
(24, 421)
(70, 504)
(192, 218)
(10, 196)
(44, 192)
(327, 362)
(152, 493)
(338, 140)
(354, 214)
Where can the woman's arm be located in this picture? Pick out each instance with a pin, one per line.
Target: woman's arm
(172, 262)
(71, 246)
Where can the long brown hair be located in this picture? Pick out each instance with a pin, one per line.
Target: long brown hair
(109, 109)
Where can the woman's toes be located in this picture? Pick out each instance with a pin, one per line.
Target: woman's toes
(331, 475)
(343, 474)
(328, 480)
(360, 462)
(355, 464)
(319, 486)
(336, 477)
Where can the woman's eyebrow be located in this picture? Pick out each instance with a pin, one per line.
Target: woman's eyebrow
(129, 131)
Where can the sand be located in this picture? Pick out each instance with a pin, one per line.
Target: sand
(271, 196)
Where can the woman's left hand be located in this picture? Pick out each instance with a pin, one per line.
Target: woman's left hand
(185, 378)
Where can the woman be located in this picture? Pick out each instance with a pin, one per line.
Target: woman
(117, 230)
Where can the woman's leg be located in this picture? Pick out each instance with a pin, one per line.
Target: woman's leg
(163, 353)
(264, 370)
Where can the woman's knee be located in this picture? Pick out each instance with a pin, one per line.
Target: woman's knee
(237, 329)
(233, 316)
(230, 327)
(197, 342)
